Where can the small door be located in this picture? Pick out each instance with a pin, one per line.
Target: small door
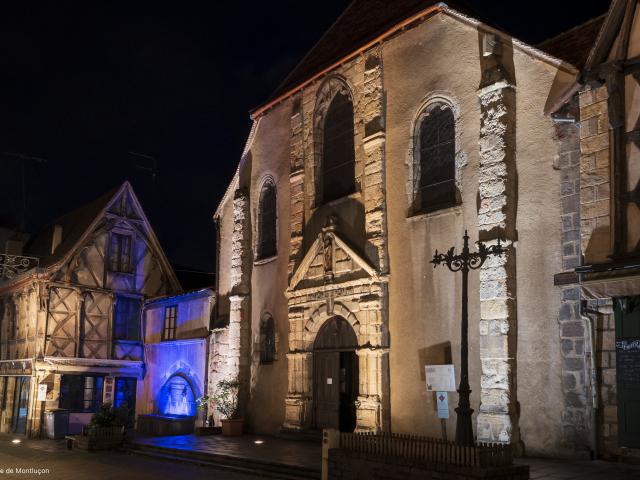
(335, 367)
(327, 389)
(21, 405)
(125, 394)
(627, 315)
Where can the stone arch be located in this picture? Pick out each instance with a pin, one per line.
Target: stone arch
(185, 371)
(431, 101)
(320, 316)
(331, 87)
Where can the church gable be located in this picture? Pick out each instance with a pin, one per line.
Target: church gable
(330, 260)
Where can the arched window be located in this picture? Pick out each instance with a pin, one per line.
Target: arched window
(267, 221)
(434, 160)
(338, 155)
(267, 340)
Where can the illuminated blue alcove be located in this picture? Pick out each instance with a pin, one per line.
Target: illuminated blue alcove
(176, 397)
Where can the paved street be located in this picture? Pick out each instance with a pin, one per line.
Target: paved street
(59, 463)
(56, 462)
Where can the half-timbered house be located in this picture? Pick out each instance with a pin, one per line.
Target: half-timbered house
(70, 327)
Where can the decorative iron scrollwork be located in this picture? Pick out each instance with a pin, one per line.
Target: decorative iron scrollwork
(12, 265)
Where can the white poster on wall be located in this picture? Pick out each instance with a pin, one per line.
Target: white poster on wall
(42, 392)
(440, 378)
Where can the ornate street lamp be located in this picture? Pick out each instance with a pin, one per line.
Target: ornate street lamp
(464, 262)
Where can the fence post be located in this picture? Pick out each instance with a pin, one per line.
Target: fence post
(330, 439)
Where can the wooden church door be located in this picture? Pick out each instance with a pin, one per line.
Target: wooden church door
(335, 367)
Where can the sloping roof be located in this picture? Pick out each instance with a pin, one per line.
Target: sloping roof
(617, 22)
(361, 22)
(74, 225)
(574, 45)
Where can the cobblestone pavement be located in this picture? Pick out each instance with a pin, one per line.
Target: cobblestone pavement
(58, 463)
(550, 469)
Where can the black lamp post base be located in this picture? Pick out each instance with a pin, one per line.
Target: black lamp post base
(464, 427)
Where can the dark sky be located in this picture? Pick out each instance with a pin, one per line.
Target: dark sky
(83, 83)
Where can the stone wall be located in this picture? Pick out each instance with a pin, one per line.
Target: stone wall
(600, 312)
(595, 175)
(573, 337)
(497, 420)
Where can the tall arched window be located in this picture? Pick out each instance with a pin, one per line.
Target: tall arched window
(435, 160)
(267, 221)
(267, 340)
(338, 155)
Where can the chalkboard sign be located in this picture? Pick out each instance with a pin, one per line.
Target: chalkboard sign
(628, 362)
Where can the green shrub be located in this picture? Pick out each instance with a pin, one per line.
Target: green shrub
(226, 398)
(110, 417)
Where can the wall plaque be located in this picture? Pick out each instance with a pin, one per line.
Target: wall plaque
(628, 362)
(440, 378)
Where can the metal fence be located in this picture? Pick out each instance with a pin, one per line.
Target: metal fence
(428, 450)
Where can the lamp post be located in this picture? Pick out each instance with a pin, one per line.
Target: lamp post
(464, 262)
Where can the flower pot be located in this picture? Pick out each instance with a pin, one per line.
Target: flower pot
(232, 427)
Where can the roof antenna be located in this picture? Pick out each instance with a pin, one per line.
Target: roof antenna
(24, 159)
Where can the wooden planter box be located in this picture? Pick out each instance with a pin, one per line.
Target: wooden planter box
(97, 438)
(232, 428)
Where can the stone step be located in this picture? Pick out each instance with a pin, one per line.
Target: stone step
(226, 462)
(313, 436)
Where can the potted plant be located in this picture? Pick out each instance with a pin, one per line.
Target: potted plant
(207, 427)
(226, 401)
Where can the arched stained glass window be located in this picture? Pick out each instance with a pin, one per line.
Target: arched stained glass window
(267, 221)
(435, 174)
(338, 155)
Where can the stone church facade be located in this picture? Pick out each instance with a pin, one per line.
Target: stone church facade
(325, 237)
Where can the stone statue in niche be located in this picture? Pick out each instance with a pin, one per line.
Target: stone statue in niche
(327, 245)
(328, 254)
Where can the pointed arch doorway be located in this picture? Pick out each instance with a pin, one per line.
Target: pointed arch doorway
(335, 375)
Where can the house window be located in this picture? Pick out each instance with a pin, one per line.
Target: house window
(338, 154)
(267, 340)
(81, 393)
(127, 319)
(434, 165)
(169, 330)
(120, 253)
(267, 221)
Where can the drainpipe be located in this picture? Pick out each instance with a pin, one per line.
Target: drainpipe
(594, 385)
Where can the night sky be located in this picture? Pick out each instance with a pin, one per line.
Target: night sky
(82, 84)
